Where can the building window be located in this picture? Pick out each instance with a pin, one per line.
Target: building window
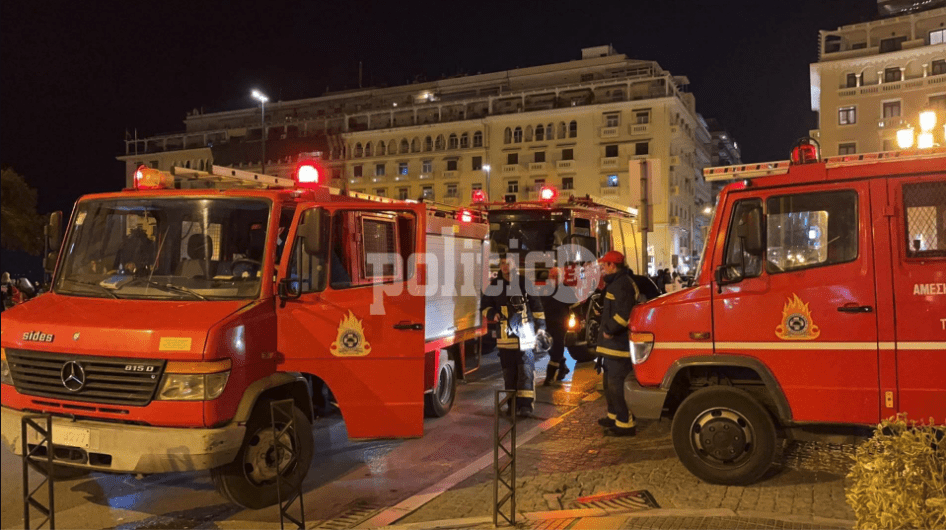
(832, 43)
(382, 149)
(477, 186)
(380, 192)
(937, 36)
(939, 66)
(517, 135)
(613, 181)
(568, 154)
(369, 151)
(537, 185)
(573, 129)
(403, 193)
(892, 44)
(454, 142)
(642, 116)
(611, 151)
(512, 158)
(847, 149)
(477, 162)
(402, 168)
(451, 190)
(477, 139)
(851, 80)
(507, 136)
(549, 132)
(465, 141)
(379, 170)
(568, 183)
(427, 192)
(357, 171)
(452, 165)
(539, 156)
(891, 109)
(427, 166)
(937, 102)
(641, 148)
(539, 133)
(612, 120)
(405, 147)
(440, 143)
(847, 115)
(512, 186)
(892, 75)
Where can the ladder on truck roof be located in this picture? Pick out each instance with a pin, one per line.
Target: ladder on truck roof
(593, 200)
(764, 169)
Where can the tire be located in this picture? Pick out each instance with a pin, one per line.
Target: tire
(60, 472)
(744, 441)
(439, 401)
(250, 480)
(581, 354)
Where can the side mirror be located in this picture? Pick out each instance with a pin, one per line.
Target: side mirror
(54, 230)
(310, 228)
(288, 289)
(750, 231)
(728, 274)
(49, 262)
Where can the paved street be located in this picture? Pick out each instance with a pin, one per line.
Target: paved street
(447, 473)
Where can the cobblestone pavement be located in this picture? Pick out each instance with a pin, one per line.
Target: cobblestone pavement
(575, 459)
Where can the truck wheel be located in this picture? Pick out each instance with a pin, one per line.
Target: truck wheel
(250, 480)
(439, 402)
(60, 472)
(724, 436)
(581, 354)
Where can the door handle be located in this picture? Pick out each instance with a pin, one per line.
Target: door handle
(855, 309)
(409, 325)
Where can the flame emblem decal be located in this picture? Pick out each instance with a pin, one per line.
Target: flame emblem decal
(796, 321)
(350, 341)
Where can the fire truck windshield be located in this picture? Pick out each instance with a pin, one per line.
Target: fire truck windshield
(528, 236)
(166, 248)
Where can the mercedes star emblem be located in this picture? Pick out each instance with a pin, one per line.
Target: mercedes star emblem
(73, 376)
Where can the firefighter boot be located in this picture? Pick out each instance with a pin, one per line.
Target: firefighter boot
(563, 371)
(550, 373)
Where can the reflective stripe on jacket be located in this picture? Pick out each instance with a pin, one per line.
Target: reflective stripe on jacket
(620, 295)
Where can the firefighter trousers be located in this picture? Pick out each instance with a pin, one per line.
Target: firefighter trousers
(557, 353)
(615, 372)
(519, 375)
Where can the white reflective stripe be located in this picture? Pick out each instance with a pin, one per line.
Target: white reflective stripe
(921, 346)
(802, 345)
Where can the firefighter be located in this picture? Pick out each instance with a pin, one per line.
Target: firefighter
(511, 303)
(620, 295)
(557, 304)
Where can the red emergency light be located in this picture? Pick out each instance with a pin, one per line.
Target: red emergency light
(308, 174)
(147, 178)
(479, 196)
(465, 216)
(548, 193)
(806, 151)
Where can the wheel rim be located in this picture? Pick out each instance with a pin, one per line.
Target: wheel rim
(722, 438)
(445, 385)
(259, 459)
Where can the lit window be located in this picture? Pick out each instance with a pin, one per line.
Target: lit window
(847, 115)
(402, 168)
(613, 181)
(427, 192)
(937, 36)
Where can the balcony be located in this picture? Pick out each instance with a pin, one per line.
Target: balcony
(610, 163)
(425, 176)
(610, 191)
(538, 167)
(896, 122)
(608, 132)
(919, 83)
(511, 169)
(637, 129)
(450, 174)
(565, 166)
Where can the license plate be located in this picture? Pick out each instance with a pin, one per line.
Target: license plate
(68, 436)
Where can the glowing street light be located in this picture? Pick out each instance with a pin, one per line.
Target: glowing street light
(927, 121)
(905, 138)
(259, 96)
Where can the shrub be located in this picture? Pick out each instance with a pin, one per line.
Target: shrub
(899, 476)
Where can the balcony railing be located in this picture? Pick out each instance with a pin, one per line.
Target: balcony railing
(608, 132)
(537, 167)
(610, 190)
(895, 122)
(450, 174)
(565, 165)
(511, 169)
(909, 84)
(609, 163)
(638, 128)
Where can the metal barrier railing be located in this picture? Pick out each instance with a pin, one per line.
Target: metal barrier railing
(500, 475)
(45, 440)
(281, 413)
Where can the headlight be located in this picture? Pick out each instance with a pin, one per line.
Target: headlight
(7, 376)
(181, 383)
(572, 321)
(641, 346)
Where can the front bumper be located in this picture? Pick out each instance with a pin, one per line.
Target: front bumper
(644, 402)
(121, 448)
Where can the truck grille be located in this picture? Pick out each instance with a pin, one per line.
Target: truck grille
(116, 381)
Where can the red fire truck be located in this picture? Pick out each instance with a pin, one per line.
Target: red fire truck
(176, 316)
(820, 300)
(568, 233)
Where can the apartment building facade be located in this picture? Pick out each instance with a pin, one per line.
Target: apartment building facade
(873, 79)
(581, 126)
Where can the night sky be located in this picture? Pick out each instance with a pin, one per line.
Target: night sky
(77, 75)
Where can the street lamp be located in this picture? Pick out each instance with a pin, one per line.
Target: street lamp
(486, 169)
(262, 108)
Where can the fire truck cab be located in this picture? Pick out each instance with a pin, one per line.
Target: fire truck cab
(820, 300)
(568, 233)
(177, 316)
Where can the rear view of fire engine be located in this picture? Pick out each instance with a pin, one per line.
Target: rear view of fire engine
(177, 316)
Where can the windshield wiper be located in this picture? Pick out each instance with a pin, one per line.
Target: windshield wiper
(169, 287)
(100, 287)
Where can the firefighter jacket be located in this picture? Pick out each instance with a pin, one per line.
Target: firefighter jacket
(620, 295)
(520, 313)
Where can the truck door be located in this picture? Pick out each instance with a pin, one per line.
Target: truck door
(355, 323)
(806, 305)
(918, 250)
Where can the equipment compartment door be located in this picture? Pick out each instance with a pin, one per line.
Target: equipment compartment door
(357, 324)
(806, 306)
